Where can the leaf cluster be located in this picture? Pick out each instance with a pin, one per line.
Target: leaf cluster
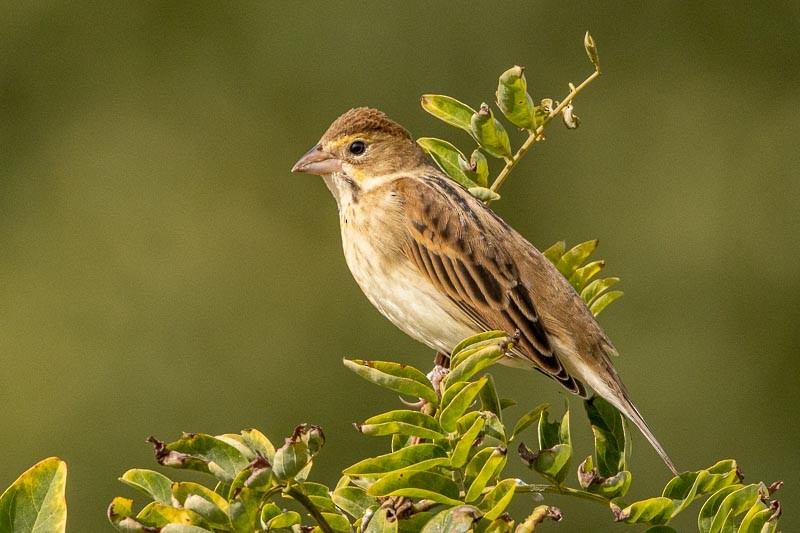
(450, 458)
(491, 136)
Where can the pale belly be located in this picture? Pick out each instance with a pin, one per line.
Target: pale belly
(406, 298)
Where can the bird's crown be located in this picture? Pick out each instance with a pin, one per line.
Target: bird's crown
(364, 121)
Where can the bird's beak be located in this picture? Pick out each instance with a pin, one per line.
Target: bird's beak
(318, 161)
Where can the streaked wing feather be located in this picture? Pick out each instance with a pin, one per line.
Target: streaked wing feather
(457, 245)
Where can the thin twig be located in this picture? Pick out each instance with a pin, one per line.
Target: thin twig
(553, 489)
(536, 135)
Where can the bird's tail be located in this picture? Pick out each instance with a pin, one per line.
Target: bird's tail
(622, 402)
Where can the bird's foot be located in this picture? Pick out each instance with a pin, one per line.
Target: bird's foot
(440, 370)
(442, 360)
(414, 405)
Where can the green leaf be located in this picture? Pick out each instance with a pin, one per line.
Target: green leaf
(480, 168)
(479, 340)
(258, 443)
(712, 504)
(611, 487)
(555, 453)
(689, 486)
(244, 509)
(591, 51)
(154, 484)
(237, 442)
(380, 523)
(596, 288)
(353, 500)
(449, 110)
(528, 419)
(553, 433)
(417, 457)
(449, 158)
(555, 252)
(182, 528)
(459, 403)
(654, 511)
(505, 403)
(35, 502)
(157, 514)
(513, 98)
(417, 484)
(120, 513)
(575, 257)
(483, 194)
(494, 433)
(290, 459)
(203, 501)
(258, 474)
(313, 437)
(450, 392)
(474, 363)
(461, 451)
(269, 511)
(338, 523)
(603, 301)
(489, 398)
(482, 469)
(402, 441)
(761, 518)
(404, 422)
(394, 376)
(490, 134)
(319, 495)
(455, 520)
(539, 515)
(582, 275)
(723, 509)
(553, 463)
(202, 453)
(497, 499)
(610, 436)
(285, 519)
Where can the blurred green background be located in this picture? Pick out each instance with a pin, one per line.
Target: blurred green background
(162, 271)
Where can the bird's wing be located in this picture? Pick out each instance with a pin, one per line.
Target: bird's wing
(462, 249)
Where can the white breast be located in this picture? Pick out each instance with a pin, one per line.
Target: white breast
(403, 296)
(389, 280)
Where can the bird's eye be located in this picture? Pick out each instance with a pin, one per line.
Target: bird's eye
(357, 147)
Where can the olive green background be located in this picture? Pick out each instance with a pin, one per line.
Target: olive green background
(162, 271)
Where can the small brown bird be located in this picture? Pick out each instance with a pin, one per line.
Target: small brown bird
(442, 266)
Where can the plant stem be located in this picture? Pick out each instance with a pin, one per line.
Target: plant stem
(552, 489)
(536, 135)
(309, 505)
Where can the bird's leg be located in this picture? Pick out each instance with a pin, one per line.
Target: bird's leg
(441, 367)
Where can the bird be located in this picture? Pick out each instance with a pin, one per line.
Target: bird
(442, 266)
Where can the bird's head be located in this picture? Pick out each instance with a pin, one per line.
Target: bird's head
(363, 145)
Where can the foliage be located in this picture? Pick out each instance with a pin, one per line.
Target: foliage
(517, 105)
(35, 502)
(445, 467)
(444, 470)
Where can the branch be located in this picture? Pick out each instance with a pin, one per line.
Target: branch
(537, 134)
